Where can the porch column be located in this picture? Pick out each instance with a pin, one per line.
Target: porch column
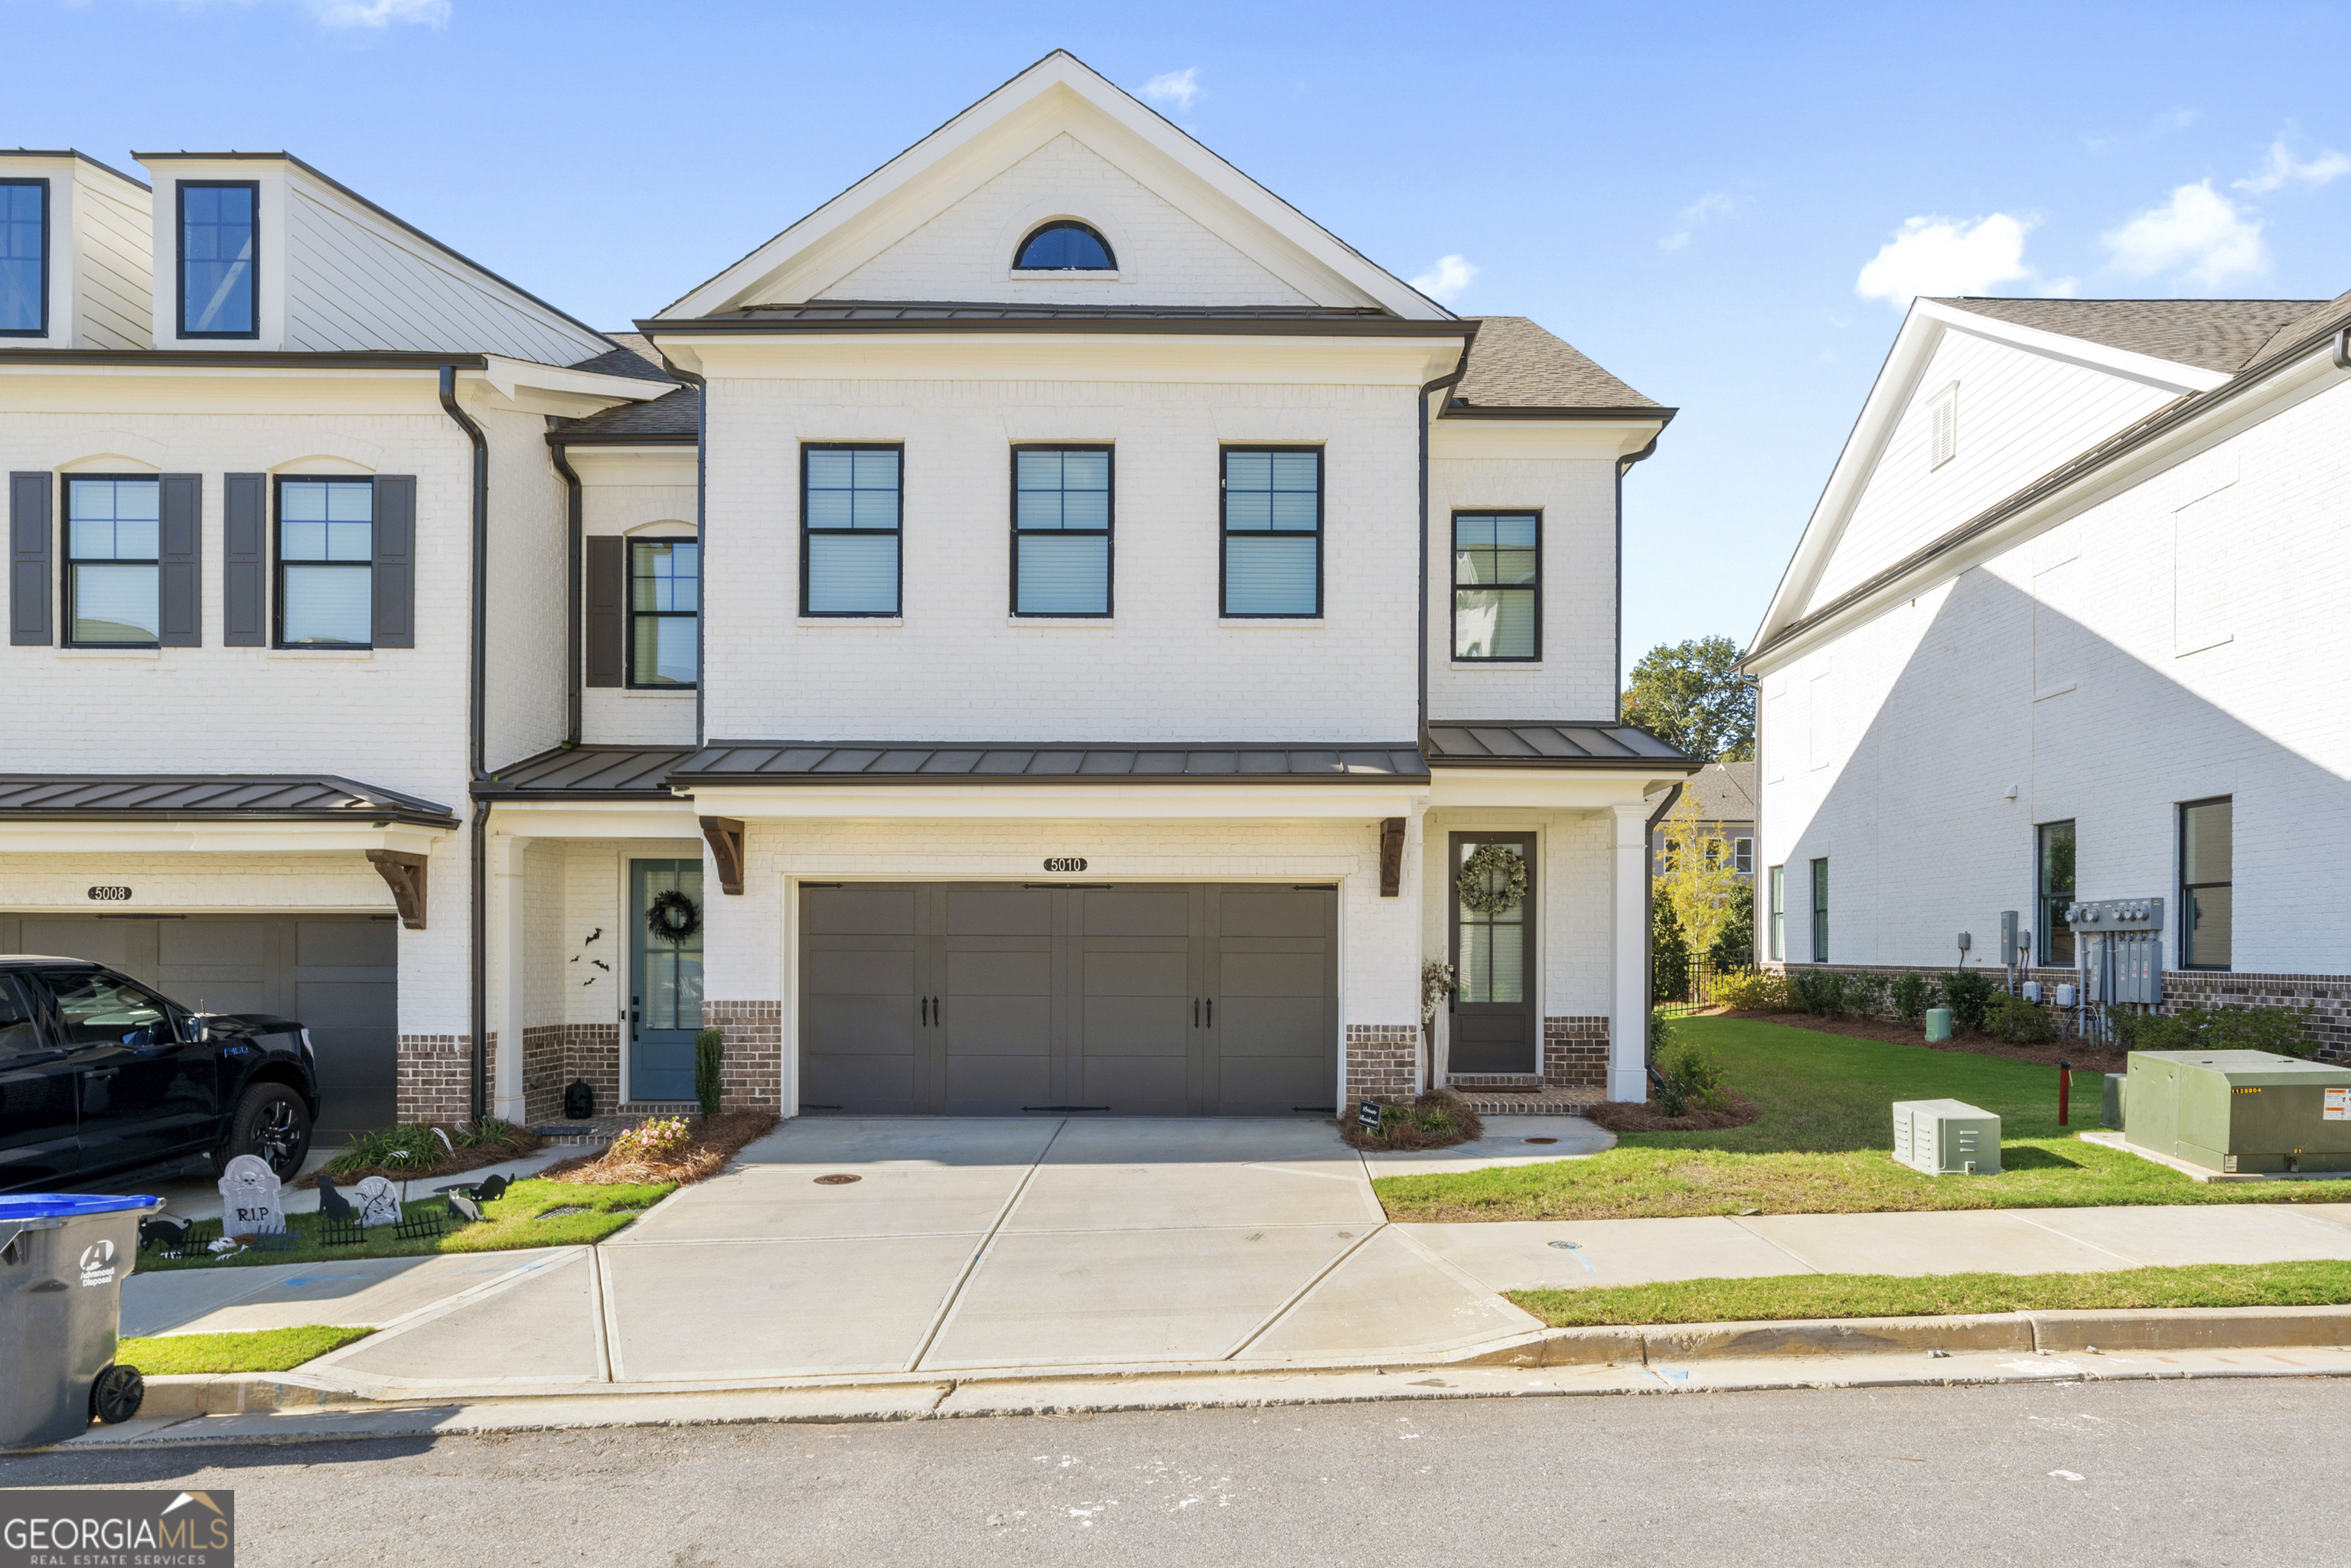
(509, 989)
(1628, 1013)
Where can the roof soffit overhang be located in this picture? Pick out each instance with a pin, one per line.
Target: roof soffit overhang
(1058, 94)
(1890, 395)
(1406, 354)
(1502, 434)
(2164, 439)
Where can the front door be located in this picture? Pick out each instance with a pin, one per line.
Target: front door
(664, 977)
(1495, 1029)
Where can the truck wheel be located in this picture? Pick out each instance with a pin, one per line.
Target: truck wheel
(117, 1394)
(271, 1121)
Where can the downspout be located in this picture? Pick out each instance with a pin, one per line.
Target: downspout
(478, 726)
(1460, 368)
(574, 528)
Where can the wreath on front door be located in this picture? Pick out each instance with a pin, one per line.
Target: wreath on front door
(1492, 880)
(672, 916)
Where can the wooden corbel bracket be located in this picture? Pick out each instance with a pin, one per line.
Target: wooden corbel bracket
(725, 836)
(1391, 857)
(403, 873)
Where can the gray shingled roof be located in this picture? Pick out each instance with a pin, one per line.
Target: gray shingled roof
(584, 772)
(1516, 364)
(2222, 335)
(673, 416)
(2319, 317)
(633, 359)
(788, 762)
(148, 797)
(1725, 791)
(1470, 743)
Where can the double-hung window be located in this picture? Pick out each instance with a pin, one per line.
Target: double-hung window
(2056, 893)
(24, 258)
(219, 229)
(849, 530)
(664, 612)
(1273, 531)
(1061, 531)
(326, 563)
(2208, 908)
(1742, 856)
(1820, 911)
(1777, 930)
(113, 586)
(1497, 586)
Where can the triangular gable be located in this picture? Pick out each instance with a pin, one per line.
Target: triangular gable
(1059, 102)
(1856, 530)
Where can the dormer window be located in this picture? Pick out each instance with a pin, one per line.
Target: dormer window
(24, 258)
(1065, 246)
(218, 231)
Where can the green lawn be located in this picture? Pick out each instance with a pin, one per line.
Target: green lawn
(1823, 1145)
(1890, 1296)
(270, 1350)
(519, 1219)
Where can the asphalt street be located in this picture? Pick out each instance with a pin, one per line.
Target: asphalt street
(2182, 1474)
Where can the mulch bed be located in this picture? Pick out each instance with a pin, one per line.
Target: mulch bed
(1625, 1116)
(462, 1159)
(1466, 1127)
(2087, 1056)
(717, 1140)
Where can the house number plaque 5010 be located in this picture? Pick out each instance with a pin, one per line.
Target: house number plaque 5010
(1065, 862)
(109, 894)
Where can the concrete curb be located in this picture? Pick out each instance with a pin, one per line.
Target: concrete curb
(2025, 1334)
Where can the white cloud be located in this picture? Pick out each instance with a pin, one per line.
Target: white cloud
(347, 14)
(1936, 256)
(1713, 205)
(1177, 88)
(2282, 170)
(1443, 281)
(2198, 236)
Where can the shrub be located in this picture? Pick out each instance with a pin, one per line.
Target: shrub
(1755, 990)
(1865, 994)
(393, 1146)
(2276, 1029)
(1912, 995)
(1820, 991)
(1661, 1036)
(709, 1052)
(1967, 992)
(2017, 1021)
(654, 1141)
(1692, 1079)
(1669, 957)
(483, 1130)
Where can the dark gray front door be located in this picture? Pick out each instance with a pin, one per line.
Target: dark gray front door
(1494, 1026)
(337, 974)
(1002, 999)
(665, 978)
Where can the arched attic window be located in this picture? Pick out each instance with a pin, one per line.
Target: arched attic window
(1065, 246)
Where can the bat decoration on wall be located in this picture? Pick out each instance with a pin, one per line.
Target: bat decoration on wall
(602, 964)
(593, 934)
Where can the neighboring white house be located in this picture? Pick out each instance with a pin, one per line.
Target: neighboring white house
(2064, 626)
(1049, 629)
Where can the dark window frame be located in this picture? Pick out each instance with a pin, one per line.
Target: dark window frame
(1108, 533)
(1225, 533)
(899, 533)
(1452, 556)
(48, 208)
(630, 614)
(1820, 909)
(1775, 928)
(2048, 909)
(1110, 251)
(67, 559)
(180, 254)
(2188, 888)
(277, 561)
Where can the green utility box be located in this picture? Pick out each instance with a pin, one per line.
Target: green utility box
(1946, 1137)
(2110, 1113)
(2240, 1112)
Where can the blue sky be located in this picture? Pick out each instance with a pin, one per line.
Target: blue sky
(1726, 205)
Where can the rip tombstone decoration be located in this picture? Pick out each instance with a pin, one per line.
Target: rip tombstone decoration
(250, 1205)
(377, 1200)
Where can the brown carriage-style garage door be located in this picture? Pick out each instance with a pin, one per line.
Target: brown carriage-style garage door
(983, 998)
(336, 973)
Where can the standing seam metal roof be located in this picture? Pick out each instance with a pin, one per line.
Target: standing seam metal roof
(136, 795)
(1468, 743)
(827, 762)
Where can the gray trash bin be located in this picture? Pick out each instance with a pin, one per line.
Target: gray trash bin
(62, 1260)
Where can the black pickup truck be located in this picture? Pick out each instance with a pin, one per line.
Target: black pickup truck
(99, 1073)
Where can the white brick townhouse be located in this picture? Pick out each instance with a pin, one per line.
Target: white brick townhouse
(1054, 643)
(2067, 626)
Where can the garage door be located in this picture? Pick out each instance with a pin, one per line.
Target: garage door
(336, 974)
(982, 999)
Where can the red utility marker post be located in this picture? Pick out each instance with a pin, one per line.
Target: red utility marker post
(2064, 1089)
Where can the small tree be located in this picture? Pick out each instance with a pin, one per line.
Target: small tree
(1700, 878)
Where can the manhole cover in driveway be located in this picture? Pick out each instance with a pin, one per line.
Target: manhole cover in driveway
(1543, 1140)
(837, 1180)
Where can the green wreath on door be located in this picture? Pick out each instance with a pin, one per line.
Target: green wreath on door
(1493, 880)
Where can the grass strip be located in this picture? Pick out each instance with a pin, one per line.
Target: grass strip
(1798, 1296)
(267, 1350)
(519, 1218)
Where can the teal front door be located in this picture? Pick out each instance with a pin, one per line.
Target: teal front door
(666, 978)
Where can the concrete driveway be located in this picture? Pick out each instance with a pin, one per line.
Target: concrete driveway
(960, 1245)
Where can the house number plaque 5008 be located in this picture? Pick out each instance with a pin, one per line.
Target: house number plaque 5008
(1065, 862)
(110, 895)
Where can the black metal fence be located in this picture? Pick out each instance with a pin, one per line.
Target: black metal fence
(1681, 985)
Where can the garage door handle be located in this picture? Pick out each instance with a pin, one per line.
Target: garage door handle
(926, 1012)
(1212, 1012)
(1196, 1012)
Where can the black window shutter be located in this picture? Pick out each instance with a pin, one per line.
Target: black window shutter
(245, 560)
(28, 559)
(179, 559)
(395, 561)
(607, 590)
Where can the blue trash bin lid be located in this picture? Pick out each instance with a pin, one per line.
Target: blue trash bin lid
(68, 1204)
